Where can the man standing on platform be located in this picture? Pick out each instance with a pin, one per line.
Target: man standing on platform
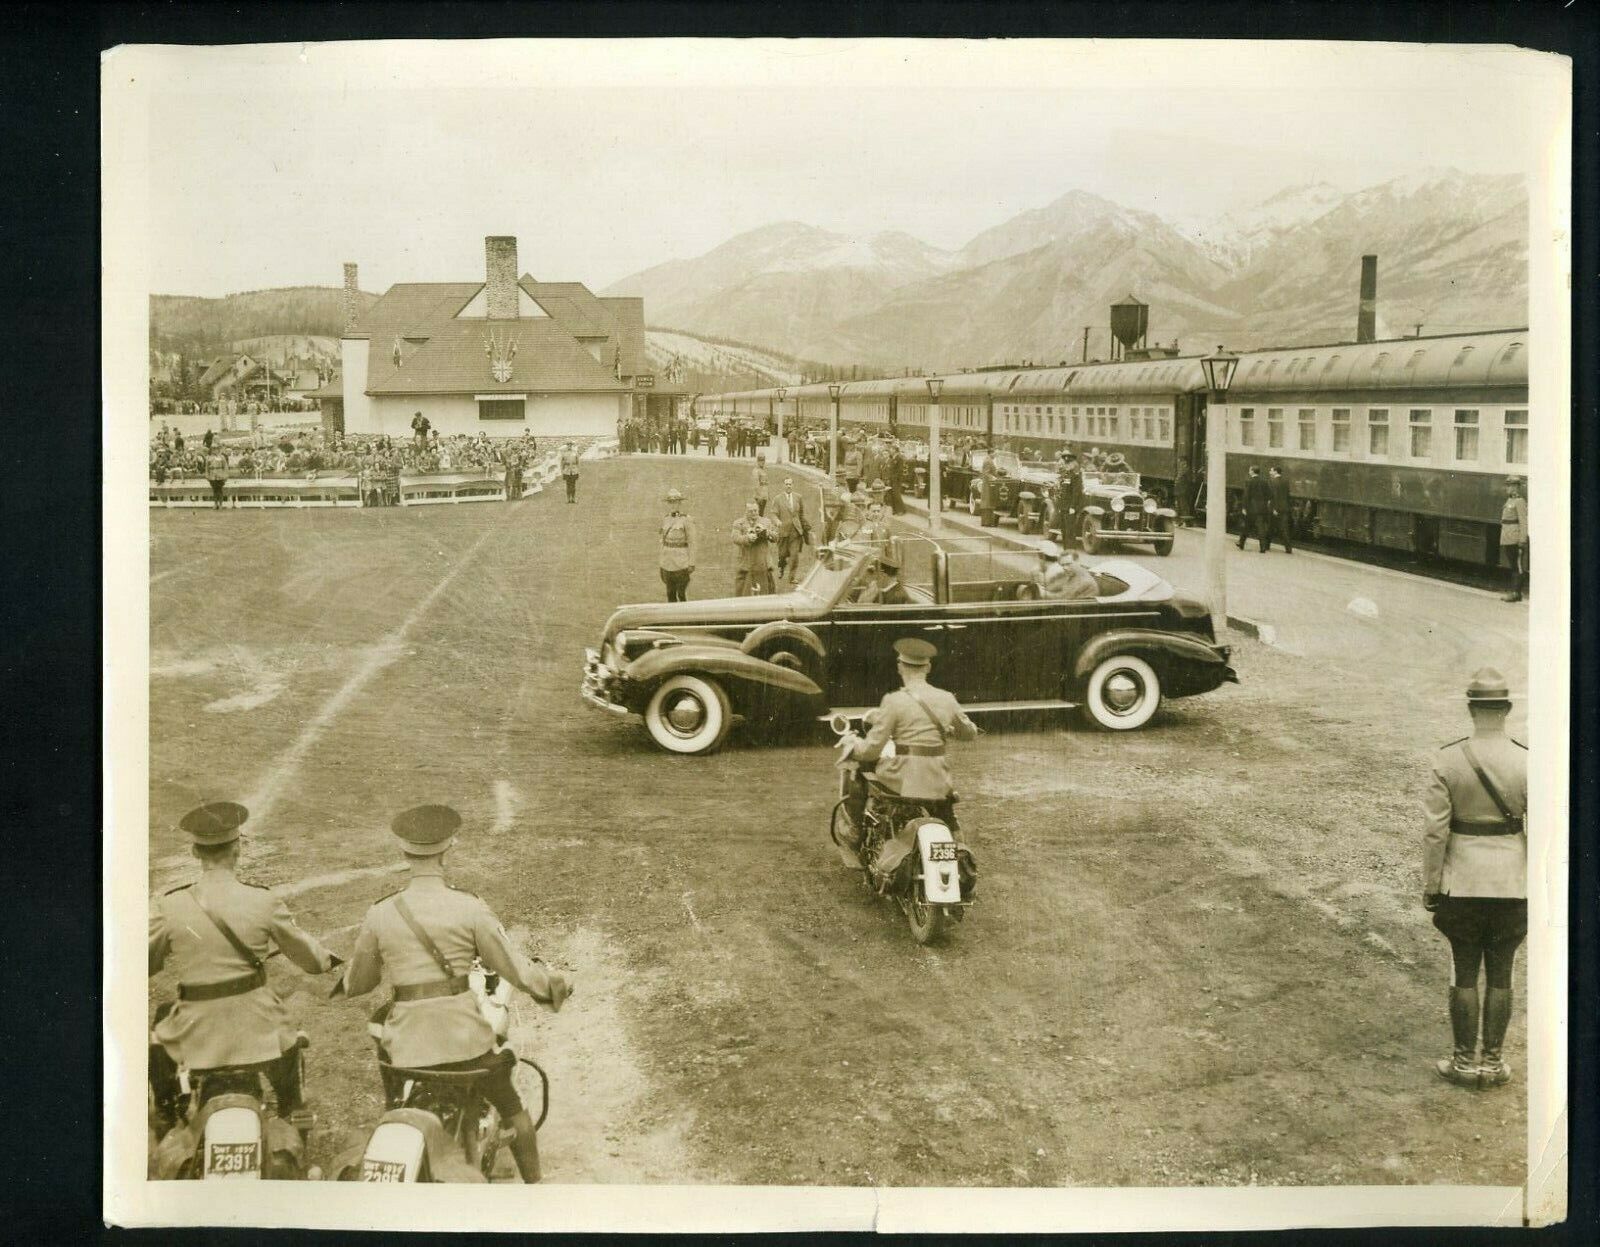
(1257, 505)
(1514, 539)
(1282, 511)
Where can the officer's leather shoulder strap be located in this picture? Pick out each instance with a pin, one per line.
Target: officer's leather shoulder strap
(923, 706)
(406, 916)
(244, 950)
(1489, 786)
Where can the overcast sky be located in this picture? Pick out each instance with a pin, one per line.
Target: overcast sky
(270, 166)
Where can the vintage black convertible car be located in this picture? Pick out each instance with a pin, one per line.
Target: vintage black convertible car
(689, 668)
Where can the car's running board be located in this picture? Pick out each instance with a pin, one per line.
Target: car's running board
(982, 707)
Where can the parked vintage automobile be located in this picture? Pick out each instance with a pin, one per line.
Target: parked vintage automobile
(1117, 511)
(689, 669)
(1010, 487)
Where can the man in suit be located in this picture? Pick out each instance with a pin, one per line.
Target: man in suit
(1062, 578)
(752, 536)
(1279, 509)
(1475, 876)
(1257, 505)
(794, 529)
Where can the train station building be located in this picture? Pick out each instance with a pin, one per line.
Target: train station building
(499, 354)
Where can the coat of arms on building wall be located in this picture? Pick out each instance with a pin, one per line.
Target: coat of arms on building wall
(501, 350)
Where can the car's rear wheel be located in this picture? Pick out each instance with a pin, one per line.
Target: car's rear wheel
(972, 504)
(1122, 694)
(688, 714)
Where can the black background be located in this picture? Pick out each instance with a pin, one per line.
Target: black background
(50, 434)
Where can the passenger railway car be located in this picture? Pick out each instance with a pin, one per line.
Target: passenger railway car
(1402, 444)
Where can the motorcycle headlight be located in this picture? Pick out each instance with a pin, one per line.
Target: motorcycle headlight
(1150, 506)
(1117, 504)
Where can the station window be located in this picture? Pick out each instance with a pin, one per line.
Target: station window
(1466, 434)
(1308, 428)
(502, 409)
(1517, 435)
(1275, 428)
(1421, 433)
(1378, 431)
(1247, 426)
(1341, 430)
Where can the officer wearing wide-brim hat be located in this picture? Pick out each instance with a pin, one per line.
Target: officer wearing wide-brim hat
(677, 541)
(920, 719)
(217, 933)
(1474, 876)
(426, 937)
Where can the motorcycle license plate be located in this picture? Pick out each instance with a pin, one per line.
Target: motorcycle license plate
(383, 1171)
(233, 1160)
(942, 851)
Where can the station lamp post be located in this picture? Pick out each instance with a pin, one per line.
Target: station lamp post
(777, 453)
(935, 472)
(1219, 369)
(833, 433)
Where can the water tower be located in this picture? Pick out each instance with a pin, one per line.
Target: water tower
(1130, 321)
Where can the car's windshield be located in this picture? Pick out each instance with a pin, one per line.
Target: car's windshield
(1122, 480)
(832, 571)
(1005, 461)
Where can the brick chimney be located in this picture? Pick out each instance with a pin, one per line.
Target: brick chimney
(500, 275)
(1367, 317)
(351, 303)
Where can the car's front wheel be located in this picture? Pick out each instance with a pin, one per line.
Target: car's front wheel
(1086, 536)
(1122, 694)
(688, 714)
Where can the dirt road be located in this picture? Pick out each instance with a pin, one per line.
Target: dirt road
(1198, 956)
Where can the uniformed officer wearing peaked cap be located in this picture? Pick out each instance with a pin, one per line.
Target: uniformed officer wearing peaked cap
(1474, 876)
(217, 933)
(426, 937)
(919, 718)
(885, 588)
(677, 557)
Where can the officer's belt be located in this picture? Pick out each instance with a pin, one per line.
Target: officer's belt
(1488, 827)
(428, 991)
(924, 751)
(228, 987)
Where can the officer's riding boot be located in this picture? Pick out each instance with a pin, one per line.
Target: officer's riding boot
(525, 1147)
(1496, 1017)
(164, 1089)
(1462, 1067)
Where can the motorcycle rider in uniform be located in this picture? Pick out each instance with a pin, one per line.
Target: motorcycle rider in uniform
(217, 932)
(427, 936)
(1475, 876)
(919, 718)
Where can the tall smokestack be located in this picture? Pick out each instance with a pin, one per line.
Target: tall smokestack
(1367, 320)
(351, 304)
(500, 274)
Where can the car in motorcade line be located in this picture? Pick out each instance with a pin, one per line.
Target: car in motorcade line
(1008, 486)
(1118, 511)
(689, 669)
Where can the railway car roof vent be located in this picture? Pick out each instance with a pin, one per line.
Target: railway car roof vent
(1328, 367)
(1461, 356)
(1380, 361)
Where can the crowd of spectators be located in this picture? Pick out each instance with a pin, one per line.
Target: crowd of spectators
(377, 461)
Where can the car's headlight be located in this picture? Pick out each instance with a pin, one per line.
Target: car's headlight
(1150, 506)
(1118, 503)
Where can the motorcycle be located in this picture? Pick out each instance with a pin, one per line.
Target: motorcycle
(227, 1126)
(905, 848)
(439, 1127)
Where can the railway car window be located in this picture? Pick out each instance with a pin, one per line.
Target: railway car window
(1116, 422)
(1517, 435)
(1166, 427)
(1275, 427)
(1421, 433)
(1247, 426)
(1341, 429)
(1466, 434)
(1378, 431)
(1308, 428)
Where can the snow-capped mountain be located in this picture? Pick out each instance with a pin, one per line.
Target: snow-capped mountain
(1451, 247)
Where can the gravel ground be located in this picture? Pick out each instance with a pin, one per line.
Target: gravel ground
(1198, 955)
